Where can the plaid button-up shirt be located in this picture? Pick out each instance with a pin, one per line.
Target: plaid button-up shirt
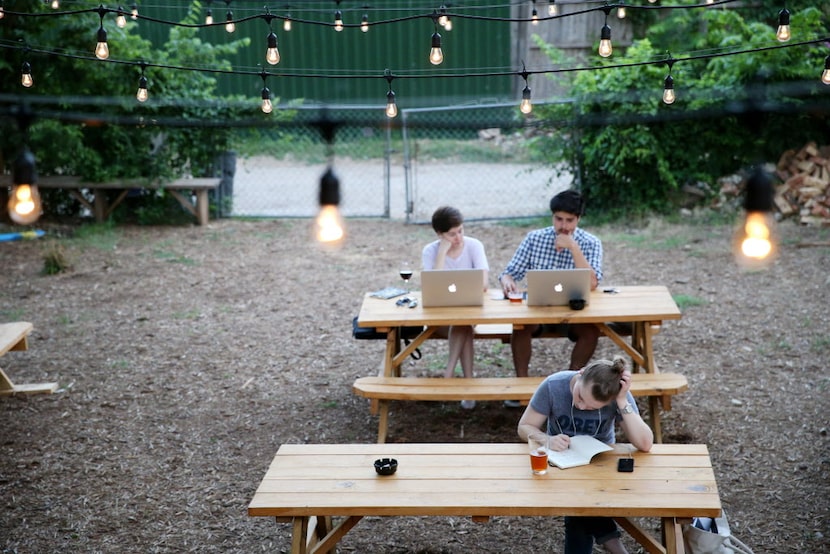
(537, 252)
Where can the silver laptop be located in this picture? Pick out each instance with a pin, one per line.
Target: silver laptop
(452, 287)
(557, 287)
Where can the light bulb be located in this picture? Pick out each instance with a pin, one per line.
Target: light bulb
(364, 23)
(56, 4)
(328, 227)
(442, 19)
(230, 26)
(102, 50)
(134, 11)
(605, 49)
(142, 94)
(668, 90)
(783, 33)
(120, 19)
(209, 17)
(526, 107)
(24, 202)
(534, 17)
(338, 21)
(754, 242)
(286, 24)
(266, 105)
(825, 75)
(272, 55)
(621, 12)
(391, 106)
(26, 78)
(552, 9)
(436, 56)
(2, 12)
(448, 25)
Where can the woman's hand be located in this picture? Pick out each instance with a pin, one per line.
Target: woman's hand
(625, 386)
(559, 442)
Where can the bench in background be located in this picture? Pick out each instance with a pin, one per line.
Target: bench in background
(13, 336)
(102, 208)
(658, 388)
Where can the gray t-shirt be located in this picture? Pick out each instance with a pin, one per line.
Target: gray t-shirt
(554, 398)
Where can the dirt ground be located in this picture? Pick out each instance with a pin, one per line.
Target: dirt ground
(186, 356)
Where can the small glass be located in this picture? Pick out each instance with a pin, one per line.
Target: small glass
(405, 271)
(538, 448)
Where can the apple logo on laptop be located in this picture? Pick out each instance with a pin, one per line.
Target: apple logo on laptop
(558, 287)
(452, 288)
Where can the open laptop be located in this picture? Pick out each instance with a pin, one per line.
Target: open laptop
(557, 287)
(452, 287)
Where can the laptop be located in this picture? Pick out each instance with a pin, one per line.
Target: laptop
(557, 287)
(452, 287)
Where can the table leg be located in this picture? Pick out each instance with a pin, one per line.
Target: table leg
(298, 535)
(673, 536)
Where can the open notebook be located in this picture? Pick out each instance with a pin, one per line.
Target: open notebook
(582, 449)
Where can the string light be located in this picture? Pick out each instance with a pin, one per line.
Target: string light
(2, 10)
(142, 94)
(448, 24)
(783, 33)
(24, 203)
(442, 17)
(209, 14)
(230, 26)
(120, 18)
(436, 55)
(605, 49)
(668, 85)
(26, 78)
(272, 54)
(364, 23)
(621, 11)
(56, 4)
(552, 8)
(328, 228)
(134, 11)
(525, 107)
(266, 105)
(391, 106)
(534, 15)
(338, 21)
(825, 75)
(286, 23)
(755, 240)
(102, 50)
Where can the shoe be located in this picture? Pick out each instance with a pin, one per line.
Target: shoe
(512, 404)
(468, 404)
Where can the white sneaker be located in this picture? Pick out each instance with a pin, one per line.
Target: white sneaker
(512, 404)
(468, 404)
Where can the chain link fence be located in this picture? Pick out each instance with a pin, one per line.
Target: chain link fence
(476, 158)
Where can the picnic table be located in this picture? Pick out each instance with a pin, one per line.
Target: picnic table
(309, 485)
(14, 337)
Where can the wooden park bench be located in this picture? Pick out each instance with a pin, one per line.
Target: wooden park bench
(657, 387)
(102, 208)
(13, 336)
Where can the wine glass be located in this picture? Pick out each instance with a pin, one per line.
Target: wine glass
(405, 271)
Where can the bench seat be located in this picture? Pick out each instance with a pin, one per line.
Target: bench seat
(14, 337)
(658, 387)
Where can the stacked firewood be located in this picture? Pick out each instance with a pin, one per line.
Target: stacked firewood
(804, 191)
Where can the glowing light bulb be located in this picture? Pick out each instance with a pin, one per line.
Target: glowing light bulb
(286, 23)
(754, 242)
(552, 8)
(24, 202)
(436, 55)
(534, 17)
(272, 55)
(266, 105)
(134, 11)
(391, 106)
(442, 19)
(102, 50)
(783, 33)
(328, 228)
(120, 19)
(209, 17)
(2, 12)
(526, 107)
(364, 23)
(230, 26)
(338, 21)
(26, 78)
(825, 75)
(56, 4)
(621, 12)
(448, 25)
(142, 94)
(605, 49)
(668, 90)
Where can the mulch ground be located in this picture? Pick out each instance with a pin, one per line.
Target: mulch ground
(186, 356)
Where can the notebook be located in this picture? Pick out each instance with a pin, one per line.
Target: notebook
(557, 287)
(452, 287)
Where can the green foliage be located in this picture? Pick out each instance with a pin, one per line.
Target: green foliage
(632, 154)
(54, 259)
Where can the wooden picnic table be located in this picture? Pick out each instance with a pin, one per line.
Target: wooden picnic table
(644, 307)
(308, 485)
(14, 336)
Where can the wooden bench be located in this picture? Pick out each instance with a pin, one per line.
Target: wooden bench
(658, 388)
(13, 336)
(102, 208)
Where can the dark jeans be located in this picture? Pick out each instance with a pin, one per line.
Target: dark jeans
(581, 532)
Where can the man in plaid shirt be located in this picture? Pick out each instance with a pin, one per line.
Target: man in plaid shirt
(562, 246)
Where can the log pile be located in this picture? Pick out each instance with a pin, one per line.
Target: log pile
(802, 186)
